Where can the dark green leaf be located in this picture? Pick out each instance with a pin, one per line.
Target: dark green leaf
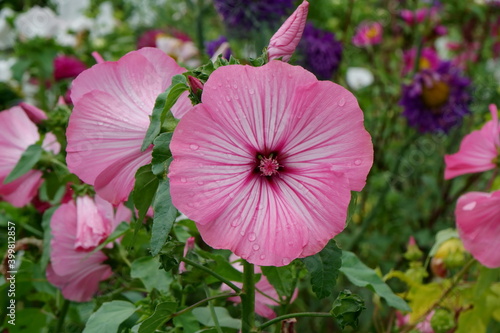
(164, 217)
(155, 124)
(28, 159)
(146, 184)
(347, 308)
(324, 269)
(161, 154)
(187, 321)
(225, 320)
(159, 317)
(281, 278)
(47, 236)
(109, 317)
(363, 276)
(148, 270)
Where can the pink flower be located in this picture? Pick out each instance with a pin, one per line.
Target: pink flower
(429, 59)
(268, 160)
(113, 102)
(477, 215)
(76, 231)
(368, 34)
(265, 293)
(418, 16)
(478, 151)
(17, 133)
(66, 67)
(286, 39)
(188, 246)
(422, 327)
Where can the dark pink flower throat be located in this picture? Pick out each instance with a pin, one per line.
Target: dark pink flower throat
(269, 166)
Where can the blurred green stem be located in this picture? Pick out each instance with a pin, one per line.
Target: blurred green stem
(294, 315)
(62, 316)
(248, 299)
(212, 312)
(214, 274)
(195, 305)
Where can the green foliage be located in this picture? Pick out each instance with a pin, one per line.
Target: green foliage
(165, 214)
(347, 308)
(146, 184)
(159, 317)
(109, 317)
(223, 317)
(27, 161)
(281, 278)
(147, 269)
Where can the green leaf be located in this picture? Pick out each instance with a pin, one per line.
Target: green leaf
(28, 159)
(324, 269)
(163, 104)
(120, 230)
(164, 217)
(159, 317)
(161, 154)
(47, 236)
(147, 269)
(281, 278)
(225, 320)
(28, 320)
(347, 308)
(109, 317)
(187, 321)
(146, 184)
(363, 276)
(221, 267)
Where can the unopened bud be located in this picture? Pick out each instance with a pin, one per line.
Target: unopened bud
(413, 253)
(442, 321)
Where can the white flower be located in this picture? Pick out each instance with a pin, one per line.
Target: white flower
(358, 77)
(185, 52)
(6, 69)
(37, 22)
(104, 22)
(7, 35)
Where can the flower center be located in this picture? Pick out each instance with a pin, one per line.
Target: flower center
(269, 166)
(424, 63)
(437, 95)
(372, 32)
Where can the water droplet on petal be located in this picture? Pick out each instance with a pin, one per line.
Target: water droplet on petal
(183, 180)
(194, 146)
(242, 232)
(256, 247)
(235, 86)
(285, 261)
(252, 237)
(357, 162)
(200, 182)
(251, 91)
(342, 101)
(262, 257)
(470, 206)
(228, 98)
(290, 243)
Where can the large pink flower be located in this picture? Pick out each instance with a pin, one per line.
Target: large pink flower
(76, 231)
(17, 133)
(477, 216)
(265, 164)
(113, 102)
(478, 151)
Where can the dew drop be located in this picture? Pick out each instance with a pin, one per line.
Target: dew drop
(285, 261)
(236, 222)
(262, 257)
(252, 237)
(256, 247)
(219, 84)
(200, 182)
(228, 98)
(357, 162)
(342, 101)
(235, 86)
(194, 146)
(242, 232)
(251, 91)
(290, 243)
(183, 180)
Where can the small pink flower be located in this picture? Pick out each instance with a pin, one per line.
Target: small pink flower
(286, 39)
(422, 327)
(113, 102)
(418, 16)
(76, 231)
(477, 215)
(66, 67)
(268, 159)
(17, 133)
(368, 34)
(429, 59)
(478, 151)
(188, 246)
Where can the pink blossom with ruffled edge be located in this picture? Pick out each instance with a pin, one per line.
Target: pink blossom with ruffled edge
(429, 59)
(113, 102)
(76, 230)
(285, 40)
(478, 151)
(368, 33)
(477, 215)
(268, 159)
(265, 293)
(17, 133)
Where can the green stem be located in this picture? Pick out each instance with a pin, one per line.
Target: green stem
(214, 274)
(62, 316)
(191, 307)
(248, 299)
(294, 315)
(212, 312)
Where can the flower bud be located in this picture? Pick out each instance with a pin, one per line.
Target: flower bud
(412, 253)
(442, 321)
(286, 39)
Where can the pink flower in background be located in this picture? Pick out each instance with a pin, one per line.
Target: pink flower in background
(429, 59)
(478, 151)
(66, 67)
(17, 133)
(263, 304)
(286, 39)
(477, 215)
(77, 229)
(418, 16)
(368, 34)
(113, 102)
(188, 246)
(268, 159)
(35, 114)
(422, 327)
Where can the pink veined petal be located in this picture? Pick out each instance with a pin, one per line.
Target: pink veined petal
(477, 215)
(494, 118)
(35, 114)
(51, 144)
(477, 151)
(91, 228)
(21, 191)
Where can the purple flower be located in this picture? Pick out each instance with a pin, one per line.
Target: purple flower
(211, 47)
(320, 52)
(436, 100)
(67, 67)
(244, 15)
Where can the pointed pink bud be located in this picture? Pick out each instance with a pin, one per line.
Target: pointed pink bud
(195, 84)
(35, 114)
(188, 246)
(411, 241)
(286, 39)
(97, 57)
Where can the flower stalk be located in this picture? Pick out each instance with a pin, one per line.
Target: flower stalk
(248, 299)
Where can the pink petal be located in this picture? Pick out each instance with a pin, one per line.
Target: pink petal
(35, 114)
(51, 144)
(21, 191)
(91, 228)
(477, 215)
(286, 39)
